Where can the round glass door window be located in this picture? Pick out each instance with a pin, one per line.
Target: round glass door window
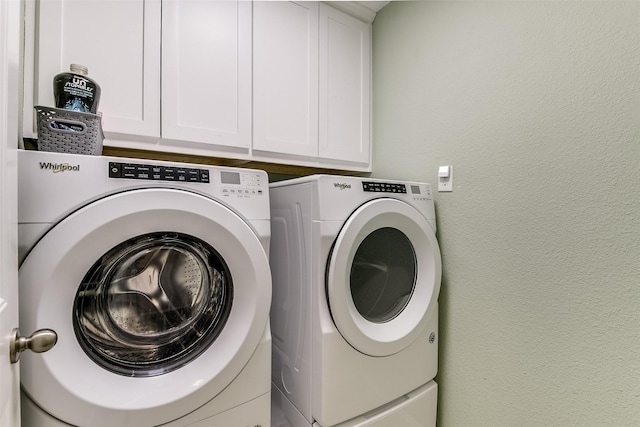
(383, 275)
(152, 304)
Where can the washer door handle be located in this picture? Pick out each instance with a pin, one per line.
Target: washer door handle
(40, 341)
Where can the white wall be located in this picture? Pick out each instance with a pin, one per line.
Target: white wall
(537, 106)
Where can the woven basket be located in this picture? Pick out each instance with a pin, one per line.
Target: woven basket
(66, 131)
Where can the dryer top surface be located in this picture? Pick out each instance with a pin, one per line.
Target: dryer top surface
(335, 197)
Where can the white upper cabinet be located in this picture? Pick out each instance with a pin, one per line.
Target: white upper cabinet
(267, 81)
(285, 77)
(311, 83)
(206, 72)
(119, 42)
(344, 118)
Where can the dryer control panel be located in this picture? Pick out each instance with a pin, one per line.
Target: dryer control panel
(418, 192)
(384, 187)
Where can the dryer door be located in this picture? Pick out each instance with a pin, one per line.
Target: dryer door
(159, 298)
(383, 276)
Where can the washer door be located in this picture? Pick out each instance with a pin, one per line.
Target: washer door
(159, 298)
(383, 276)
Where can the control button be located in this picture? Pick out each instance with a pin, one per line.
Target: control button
(182, 174)
(129, 171)
(193, 175)
(167, 173)
(127, 167)
(115, 170)
(143, 172)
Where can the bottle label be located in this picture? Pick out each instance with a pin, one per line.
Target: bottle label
(76, 93)
(77, 89)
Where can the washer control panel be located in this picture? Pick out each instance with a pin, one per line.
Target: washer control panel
(243, 184)
(157, 173)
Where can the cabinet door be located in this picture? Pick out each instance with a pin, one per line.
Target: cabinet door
(206, 72)
(285, 77)
(344, 115)
(119, 42)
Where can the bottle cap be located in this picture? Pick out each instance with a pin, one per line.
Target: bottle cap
(79, 69)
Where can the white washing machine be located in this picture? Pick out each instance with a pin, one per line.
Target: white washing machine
(155, 278)
(356, 274)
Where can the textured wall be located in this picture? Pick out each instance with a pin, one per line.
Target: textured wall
(537, 106)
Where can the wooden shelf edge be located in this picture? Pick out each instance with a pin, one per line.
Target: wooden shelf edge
(272, 168)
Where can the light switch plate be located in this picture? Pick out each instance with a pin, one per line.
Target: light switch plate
(445, 183)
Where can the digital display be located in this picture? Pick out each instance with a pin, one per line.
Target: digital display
(230, 177)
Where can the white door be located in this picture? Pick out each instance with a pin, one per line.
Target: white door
(9, 373)
(383, 277)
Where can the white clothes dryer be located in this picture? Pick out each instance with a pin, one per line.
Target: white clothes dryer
(356, 276)
(155, 278)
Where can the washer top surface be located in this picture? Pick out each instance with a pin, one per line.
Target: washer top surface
(51, 185)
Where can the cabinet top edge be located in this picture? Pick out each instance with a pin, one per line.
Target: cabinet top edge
(357, 9)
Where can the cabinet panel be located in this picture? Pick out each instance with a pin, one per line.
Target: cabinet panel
(119, 42)
(285, 79)
(206, 72)
(344, 112)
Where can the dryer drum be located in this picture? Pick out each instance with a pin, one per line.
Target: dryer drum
(152, 304)
(383, 275)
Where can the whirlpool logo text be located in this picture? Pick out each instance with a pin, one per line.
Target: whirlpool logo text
(59, 167)
(342, 186)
